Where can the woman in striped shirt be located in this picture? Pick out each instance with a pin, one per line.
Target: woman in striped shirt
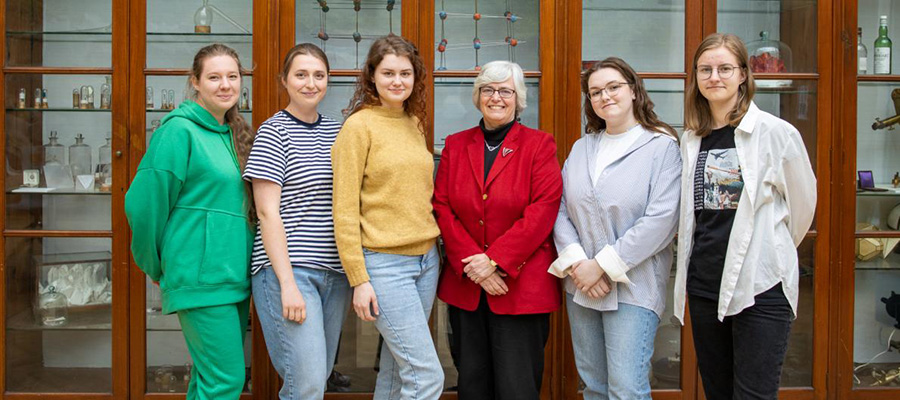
(299, 288)
(614, 231)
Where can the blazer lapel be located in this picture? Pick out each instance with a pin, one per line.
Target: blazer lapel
(476, 157)
(507, 153)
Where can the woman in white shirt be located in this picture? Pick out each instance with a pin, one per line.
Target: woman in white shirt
(737, 258)
(614, 231)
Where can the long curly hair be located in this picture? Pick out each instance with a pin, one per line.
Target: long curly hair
(643, 106)
(366, 95)
(241, 134)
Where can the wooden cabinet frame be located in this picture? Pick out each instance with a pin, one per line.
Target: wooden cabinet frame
(560, 61)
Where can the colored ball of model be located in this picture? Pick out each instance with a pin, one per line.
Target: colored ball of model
(357, 37)
(322, 35)
(477, 16)
(478, 68)
(390, 5)
(442, 14)
(357, 5)
(442, 48)
(513, 42)
(476, 43)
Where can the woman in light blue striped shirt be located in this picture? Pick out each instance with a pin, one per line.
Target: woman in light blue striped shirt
(619, 212)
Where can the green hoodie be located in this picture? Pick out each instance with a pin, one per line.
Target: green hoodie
(187, 208)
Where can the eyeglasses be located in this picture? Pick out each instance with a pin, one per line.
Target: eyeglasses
(611, 90)
(704, 72)
(505, 93)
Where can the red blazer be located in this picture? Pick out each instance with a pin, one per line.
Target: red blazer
(509, 217)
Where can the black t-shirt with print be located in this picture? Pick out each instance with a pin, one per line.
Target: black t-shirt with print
(718, 185)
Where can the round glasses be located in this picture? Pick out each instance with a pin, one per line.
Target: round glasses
(503, 92)
(725, 71)
(611, 90)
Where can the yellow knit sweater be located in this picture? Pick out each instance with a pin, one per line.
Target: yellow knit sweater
(382, 188)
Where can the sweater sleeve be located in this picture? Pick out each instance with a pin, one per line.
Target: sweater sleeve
(153, 194)
(348, 159)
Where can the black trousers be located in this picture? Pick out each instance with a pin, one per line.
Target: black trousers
(740, 358)
(498, 356)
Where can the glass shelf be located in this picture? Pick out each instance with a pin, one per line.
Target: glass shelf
(191, 37)
(891, 191)
(50, 191)
(96, 318)
(58, 110)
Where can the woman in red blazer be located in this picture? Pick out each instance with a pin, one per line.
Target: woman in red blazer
(496, 197)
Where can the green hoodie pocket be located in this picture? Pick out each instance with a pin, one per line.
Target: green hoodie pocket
(226, 257)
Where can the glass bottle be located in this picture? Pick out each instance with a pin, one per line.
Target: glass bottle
(149, 97)
(53, 308)
(883, 48)
(105, 94)
(84, 98)
(21, 102)
(80, 157)
(37, 98)
(90, 96)
(245, 99)
(54, 153)
(44, 102)
(104, 165)
(171, 99)
(203, 18)
(76, 98)
(862, 54)
(163, 100)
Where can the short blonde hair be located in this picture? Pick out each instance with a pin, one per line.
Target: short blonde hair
(500, 71)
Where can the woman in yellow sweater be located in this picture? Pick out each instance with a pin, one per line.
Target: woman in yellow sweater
(383, 221)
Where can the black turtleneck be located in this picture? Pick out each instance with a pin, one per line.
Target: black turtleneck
(493, 137)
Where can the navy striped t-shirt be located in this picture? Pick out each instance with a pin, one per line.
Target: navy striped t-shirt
(297, 156)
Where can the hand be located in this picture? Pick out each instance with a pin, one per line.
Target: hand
(494, 285)
(293, 308)
(363, 297)
(587, 274)
(601, 289)
(478, 267)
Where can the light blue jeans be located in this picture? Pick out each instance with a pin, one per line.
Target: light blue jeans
(613, 350)
(303, 354)
(405, 288)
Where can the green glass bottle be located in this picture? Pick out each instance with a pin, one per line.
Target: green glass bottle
(883, 48)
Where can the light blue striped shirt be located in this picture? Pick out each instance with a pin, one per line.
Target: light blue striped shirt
(626, 221)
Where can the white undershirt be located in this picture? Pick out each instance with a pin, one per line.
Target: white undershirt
(612, 147)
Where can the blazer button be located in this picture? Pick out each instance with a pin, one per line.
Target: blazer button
(485, 246)
(481, 222)
(484, 196)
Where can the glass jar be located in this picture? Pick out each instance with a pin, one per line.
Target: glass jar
(53, 308)
(203, 18)
(769, 56)
(80, 157)
(105, 96)
(103, 176)
(54, 153)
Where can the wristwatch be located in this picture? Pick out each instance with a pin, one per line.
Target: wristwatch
(493, 263)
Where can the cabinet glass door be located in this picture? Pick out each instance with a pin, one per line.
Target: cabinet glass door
(176, 30)
(876, 301)
(57, 138)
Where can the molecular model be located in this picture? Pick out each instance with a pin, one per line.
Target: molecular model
(509, 41)
(357, 37)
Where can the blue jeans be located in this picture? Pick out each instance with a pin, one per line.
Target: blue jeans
(613, 349)
(405, 288)
(303, 354)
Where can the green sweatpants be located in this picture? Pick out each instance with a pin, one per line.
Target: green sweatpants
(215, 339)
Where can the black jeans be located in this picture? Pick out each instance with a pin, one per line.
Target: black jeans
(740, 358)
(499, 356)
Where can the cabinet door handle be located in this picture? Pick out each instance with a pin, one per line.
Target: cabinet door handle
(118, 153)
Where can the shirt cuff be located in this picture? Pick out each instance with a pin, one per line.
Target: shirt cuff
(613, 265)
(570, 255)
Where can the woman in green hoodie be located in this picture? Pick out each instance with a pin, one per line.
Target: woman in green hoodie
(188, 210)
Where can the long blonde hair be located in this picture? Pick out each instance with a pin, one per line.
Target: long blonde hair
(697, 112)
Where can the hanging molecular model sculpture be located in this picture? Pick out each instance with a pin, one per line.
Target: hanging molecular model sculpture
(509, 41)
(357, 37)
